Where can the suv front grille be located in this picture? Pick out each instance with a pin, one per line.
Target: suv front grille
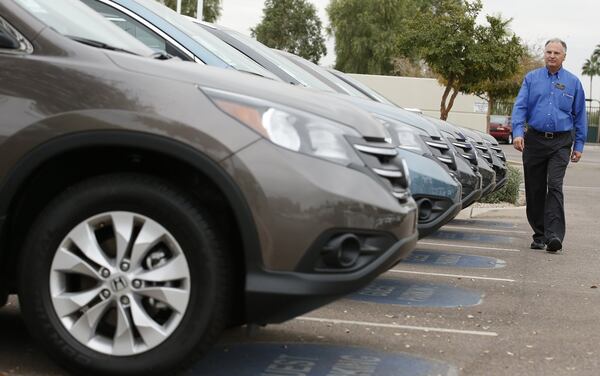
(381, 158)
(498, 151)
(441, 150)
(466, 150)
(485, 152)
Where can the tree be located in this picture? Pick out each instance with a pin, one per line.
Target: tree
(462, 53)
(211, 9)
(292, 26)
(494, 90)
(403, 66)
(366, 32)
(591, 67)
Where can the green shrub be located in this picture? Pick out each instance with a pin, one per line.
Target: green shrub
(508, 193)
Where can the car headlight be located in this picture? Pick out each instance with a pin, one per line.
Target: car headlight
(405, 136)
(288, 127)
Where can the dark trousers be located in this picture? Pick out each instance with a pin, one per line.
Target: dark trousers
(545, 162)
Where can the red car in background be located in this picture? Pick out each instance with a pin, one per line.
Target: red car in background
(501, 128)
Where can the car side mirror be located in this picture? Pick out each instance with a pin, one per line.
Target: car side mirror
(7, 41)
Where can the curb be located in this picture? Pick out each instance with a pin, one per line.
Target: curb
(592, 146)
(474, 212)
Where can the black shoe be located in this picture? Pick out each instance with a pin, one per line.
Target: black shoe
(553, 245)
(537, 244)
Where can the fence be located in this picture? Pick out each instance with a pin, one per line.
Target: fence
(593, 118)
(593, 122)
(502, 108)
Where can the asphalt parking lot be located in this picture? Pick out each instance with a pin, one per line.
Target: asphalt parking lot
(472, 299)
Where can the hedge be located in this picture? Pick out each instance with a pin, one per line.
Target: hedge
(510, 192)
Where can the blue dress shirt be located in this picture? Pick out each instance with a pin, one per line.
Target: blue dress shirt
(551, 103)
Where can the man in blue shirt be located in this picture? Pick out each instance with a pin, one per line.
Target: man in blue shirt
(551, 103)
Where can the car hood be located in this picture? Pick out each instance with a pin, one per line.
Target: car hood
(448, 127)
(314, 102)
(473, 134)
(488, 137)
(396, 113)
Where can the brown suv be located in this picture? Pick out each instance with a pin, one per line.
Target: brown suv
(147, 204)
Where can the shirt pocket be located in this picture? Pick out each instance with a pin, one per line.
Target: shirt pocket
(565, 102)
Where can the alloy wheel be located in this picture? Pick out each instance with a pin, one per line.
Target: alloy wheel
(120, 283)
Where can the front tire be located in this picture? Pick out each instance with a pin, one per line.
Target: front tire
(124, 274)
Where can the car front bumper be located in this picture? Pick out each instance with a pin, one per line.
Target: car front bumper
(488, 176)
(274, 297)
(301, 205)
(470, 180)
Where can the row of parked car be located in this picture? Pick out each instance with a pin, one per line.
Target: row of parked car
(164, 178)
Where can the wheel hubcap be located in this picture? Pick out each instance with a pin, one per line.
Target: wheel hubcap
(120, 283)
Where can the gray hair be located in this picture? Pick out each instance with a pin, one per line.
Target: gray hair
(557, 40)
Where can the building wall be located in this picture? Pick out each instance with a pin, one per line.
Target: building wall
(426, 94)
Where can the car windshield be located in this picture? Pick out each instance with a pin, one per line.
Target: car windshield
(217, 47)
(312, 67)
(366, 89)
(283, 63)
(79, 22)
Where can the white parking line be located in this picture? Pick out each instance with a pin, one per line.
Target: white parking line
(584, 188)
(450, 227)
(469, 246)
(396, 326)
(451, 275)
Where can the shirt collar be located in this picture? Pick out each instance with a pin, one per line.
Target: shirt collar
(558, 72)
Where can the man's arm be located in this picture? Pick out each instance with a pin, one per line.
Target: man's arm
(519, 115)
(579, 122)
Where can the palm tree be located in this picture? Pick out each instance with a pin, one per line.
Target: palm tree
(596, 51)
(591, 67)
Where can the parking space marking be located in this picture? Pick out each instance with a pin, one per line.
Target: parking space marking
(584, 188)
(305, 359)
(478, 222)
(444, 234)
(469, 246)
(397, 326)
(451, 259)
(451, 227)
(451, 275)
(417, 294)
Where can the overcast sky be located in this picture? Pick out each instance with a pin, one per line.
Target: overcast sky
(577, 22)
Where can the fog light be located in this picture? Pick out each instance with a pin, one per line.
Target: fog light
(342, 251)
(425, 207)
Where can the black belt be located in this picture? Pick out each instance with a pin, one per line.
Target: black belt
(548, 135)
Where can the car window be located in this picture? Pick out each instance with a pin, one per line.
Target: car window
(231, 55)
(209, 42)
(78, 21)
(7, 40)
(367, 89)
(136, 29)
(13, 41)
(497, 119)
(312, 67)
(281, 62)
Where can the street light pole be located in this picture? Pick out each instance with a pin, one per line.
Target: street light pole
(199, 10)
(179, 6)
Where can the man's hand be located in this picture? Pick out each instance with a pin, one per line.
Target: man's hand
(575, 156)
(519, 143)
